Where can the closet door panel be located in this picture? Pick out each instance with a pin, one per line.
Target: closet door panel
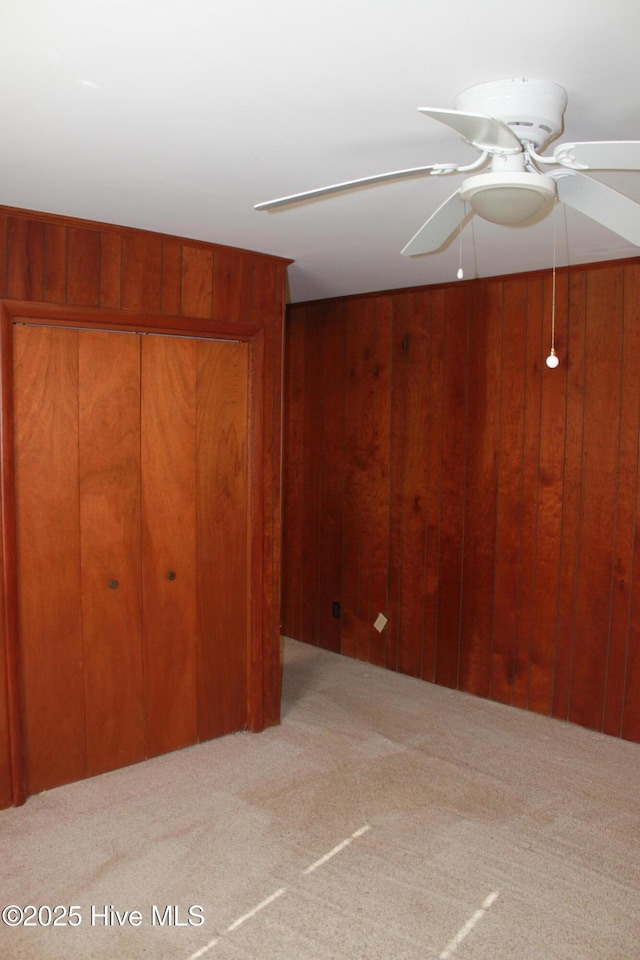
(109, 468)
(221, 505)
(48, 545)
(169, 541)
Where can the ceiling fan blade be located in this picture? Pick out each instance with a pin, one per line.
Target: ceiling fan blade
(347, 185)
(485, 133)
(438, 228)
(600, 155)
(603, 204)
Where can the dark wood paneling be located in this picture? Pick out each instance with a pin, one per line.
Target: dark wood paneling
(197, 282)
(454, 306)
(56, 255)
(293, 485)
(25, 259)
(70, 264)
(504, 536)
(83, 282)
(626, 516)
(111, 270)
(332, 364)
(480, 504)
(142, 273)
(508, 533)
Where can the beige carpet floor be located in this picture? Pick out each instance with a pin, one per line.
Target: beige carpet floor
(385, 819)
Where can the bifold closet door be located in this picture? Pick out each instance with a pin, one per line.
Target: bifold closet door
(195, 396)
(168, 445)
(222, 494)
(132, 479)
(110, 550)
(48, 541)
(77, 472)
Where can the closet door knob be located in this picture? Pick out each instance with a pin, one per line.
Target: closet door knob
(171, 575)
(113, 584)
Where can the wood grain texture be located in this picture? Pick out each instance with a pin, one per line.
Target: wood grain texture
(168, 469)
(509, 549)
(25, 259)
(86, 272)
(83, 282)
(56, 254)
(221, 521)
(197, 281)
(332, 362)
(452, 485)
(142, 273)
(109, 464)
(48, 546)
(509, 503)
(481, 472)
(293, 485)
(626, 515)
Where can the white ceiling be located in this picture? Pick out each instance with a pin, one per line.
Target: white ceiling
(179, 115)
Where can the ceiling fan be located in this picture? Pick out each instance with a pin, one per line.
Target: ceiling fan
(510, 122)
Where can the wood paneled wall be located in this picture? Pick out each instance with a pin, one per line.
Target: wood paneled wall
(436, 471)
(61, 262)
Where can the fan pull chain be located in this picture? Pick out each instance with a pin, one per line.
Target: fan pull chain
(460, 273)
(552, 360)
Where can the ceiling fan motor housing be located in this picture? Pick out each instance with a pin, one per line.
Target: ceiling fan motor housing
(533, 109)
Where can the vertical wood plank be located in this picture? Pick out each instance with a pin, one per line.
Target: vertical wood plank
(55, 263)
(168, 446)
(110, 270)
(626, 511)
(292, 474)
(412, 463)
(109, 445)
(509, 505)
(171, 277)
(25, 259)
(267, 291)
(380, 474)
(574, 370)
(483, 441)
(331, 363)
(142, 273)
(355, 479)
(4, 253)
(221, 523)
(232, 285)
(453, 475)
(599, 481)
(48, 540)
(434, 426)
(312, 477)
(197, 282)
(83, 267)
(530, 459)
(549, 508)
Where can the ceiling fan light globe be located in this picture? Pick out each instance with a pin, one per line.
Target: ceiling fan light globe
(508, 198)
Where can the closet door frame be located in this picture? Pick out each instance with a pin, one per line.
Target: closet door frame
(262, 648)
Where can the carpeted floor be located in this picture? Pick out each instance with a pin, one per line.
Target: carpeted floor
(385, 819)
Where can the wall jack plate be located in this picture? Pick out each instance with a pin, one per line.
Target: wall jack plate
(380, 622)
